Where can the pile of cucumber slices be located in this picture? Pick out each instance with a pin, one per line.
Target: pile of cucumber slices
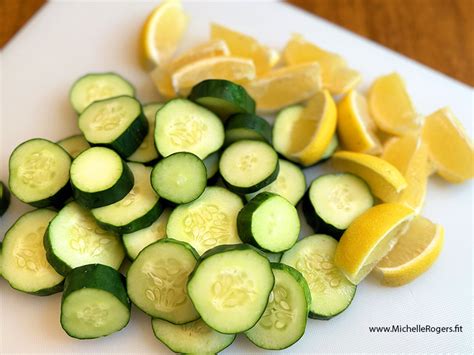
(195, 194)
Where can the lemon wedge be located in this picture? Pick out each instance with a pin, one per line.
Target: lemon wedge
(313, 131)
(417, 249)
(337, 77)
(391, 106)
(410, 156)
(235, 69)
(162, 32)
(161, 75)
(355, 127)
(242, 45)
(450, 149)
(369, 238)
(384, 180)
(285, 86)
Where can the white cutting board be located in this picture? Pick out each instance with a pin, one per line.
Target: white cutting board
(65, 40)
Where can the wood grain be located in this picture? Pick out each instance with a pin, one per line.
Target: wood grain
(438, 33)
(14, 14)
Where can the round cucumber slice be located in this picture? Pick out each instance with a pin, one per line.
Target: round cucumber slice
(94, 302)
(269, 222)
(156, 281)
(333, 201)
(230, 287)
(74, 145)
(24, 263)
(331, 292)
(179, 178)
(247, 126)
(284, 321)
(94, 190)
(222, 97)
(39, 173)
(247, 166)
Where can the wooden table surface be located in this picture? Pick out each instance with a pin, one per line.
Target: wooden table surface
(438, 33)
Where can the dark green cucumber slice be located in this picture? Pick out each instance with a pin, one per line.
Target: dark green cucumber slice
(99, 177)
(284, 122)
(191, 338)
(284, 321)
(24, 263)
(333, 201)
(179, 178)
(230, 287)
(269, 222)
(183, 126)
(135, 242)
(290, 183)
(247, 126)
(39, 173)
(94, 302)
(146, 152)
(98, 86)
(212, 164)
(73, 239)
(248, 166)
(156, 281)
(222, 97)
(331, 292)
(74, 145)
(4, 198)
(117, 123)
(209, 221)
(137, 210)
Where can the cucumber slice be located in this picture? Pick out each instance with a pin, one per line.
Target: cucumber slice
(39, 173)
(146, 152)
(222, 97)
(191, 338)
(247, 166)
(284, 321)
(94, 302)
(73, 239)
(98, 86)
(156, 281)
(212, 164)
(137, 210)
(269, 222)
(290, 183)
(179, 178)
(247, 126)
(333, 144)
(74, 145)
(183, 126)
(4, 198)
(117, 123)
(24, 263)
(331, 292)
(230, 287)
(99, 177)
(284, 122)
(135, 242)
(209, 221)
(333, 201)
